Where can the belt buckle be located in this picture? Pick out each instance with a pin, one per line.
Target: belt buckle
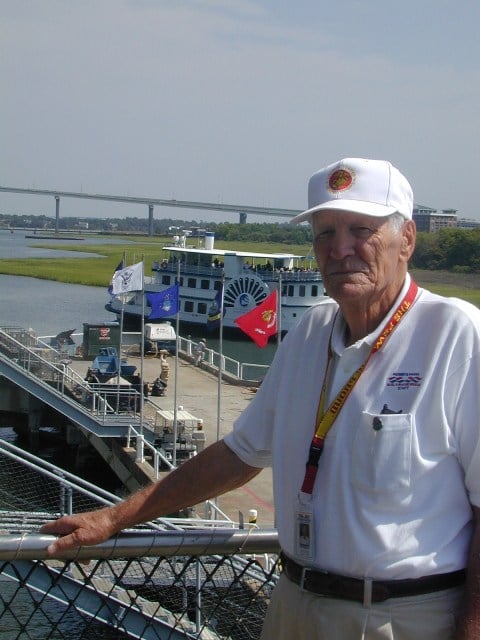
(304, 576)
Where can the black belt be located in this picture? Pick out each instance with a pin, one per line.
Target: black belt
(331, 585)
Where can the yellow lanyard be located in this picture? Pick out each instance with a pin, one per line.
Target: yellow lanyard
(325, 419)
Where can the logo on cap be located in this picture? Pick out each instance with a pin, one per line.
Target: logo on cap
(340, 180)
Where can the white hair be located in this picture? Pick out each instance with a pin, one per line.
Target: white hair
(396, 221)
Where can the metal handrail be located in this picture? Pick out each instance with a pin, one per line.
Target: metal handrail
(67, 480)
(60, 375)
(171, 578)
(157, 455)
(295, 275)
(135, 544)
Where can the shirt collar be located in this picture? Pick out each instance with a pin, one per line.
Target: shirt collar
(340, 326)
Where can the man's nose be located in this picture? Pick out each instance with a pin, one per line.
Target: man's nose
(342, 245)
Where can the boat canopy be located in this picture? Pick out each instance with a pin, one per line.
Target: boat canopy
(227, 252)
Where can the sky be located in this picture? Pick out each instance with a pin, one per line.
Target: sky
(234, 101)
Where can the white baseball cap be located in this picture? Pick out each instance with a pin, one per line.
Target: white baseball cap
(357, 185)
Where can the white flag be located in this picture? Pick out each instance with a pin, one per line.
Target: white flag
(128, 279)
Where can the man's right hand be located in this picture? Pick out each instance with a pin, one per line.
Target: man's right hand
(82, 529)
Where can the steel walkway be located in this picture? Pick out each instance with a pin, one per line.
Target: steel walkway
(43, 372)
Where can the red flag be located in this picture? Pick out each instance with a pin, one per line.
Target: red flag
(260, 323)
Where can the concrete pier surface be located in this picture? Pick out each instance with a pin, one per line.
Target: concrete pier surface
(197, 391)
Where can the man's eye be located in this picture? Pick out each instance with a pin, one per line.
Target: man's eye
(325, 233)
(362, 231)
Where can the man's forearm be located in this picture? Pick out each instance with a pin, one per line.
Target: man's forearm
(214, 471)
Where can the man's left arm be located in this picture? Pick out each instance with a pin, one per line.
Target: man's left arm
(469, 623)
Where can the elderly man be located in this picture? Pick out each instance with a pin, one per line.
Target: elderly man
(374, 441)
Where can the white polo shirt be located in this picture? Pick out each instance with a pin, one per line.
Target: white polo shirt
(390, 503)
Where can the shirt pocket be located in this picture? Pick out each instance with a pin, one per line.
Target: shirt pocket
(382, 452)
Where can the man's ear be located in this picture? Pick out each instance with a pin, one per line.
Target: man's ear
(409, 233)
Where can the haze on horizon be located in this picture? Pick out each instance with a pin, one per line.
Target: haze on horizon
(234, 101)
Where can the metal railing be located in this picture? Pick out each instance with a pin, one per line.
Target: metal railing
(172, 578)
(301, 274)
(49, 367)
(244, 371)
(158, 458)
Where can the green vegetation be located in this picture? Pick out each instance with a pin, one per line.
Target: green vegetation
(98, 271)
(452, 285)
(447, 262)
(452, 249)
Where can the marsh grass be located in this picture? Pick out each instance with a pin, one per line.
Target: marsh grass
(97, 271)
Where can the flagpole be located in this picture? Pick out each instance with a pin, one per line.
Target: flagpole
(220, 362)
(140, 444)
(279, 309)
(120, 340)
(175, 388)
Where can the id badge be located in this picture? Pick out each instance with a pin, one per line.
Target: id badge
(305, 530)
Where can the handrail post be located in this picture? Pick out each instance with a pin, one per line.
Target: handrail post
(140, 449)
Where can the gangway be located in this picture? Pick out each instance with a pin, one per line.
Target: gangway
(43, 372)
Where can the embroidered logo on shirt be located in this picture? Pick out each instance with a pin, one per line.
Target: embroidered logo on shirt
(403, 381)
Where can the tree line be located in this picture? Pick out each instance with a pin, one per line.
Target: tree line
(450, 249)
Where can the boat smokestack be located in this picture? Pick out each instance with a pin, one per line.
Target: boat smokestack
(209, 239)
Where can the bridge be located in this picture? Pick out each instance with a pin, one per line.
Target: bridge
(241, 210)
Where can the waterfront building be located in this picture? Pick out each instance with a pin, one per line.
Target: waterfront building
(429, 220)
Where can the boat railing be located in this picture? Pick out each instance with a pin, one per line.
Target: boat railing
(297, 274)
(174, 578)
(188, 269)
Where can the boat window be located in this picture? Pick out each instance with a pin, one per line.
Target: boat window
(166, 280)
(192, 283)
(181, 281)
(205, 284)
(291, 290)
(301, 290)
(188, 306)
(202, 308)
(314, 290)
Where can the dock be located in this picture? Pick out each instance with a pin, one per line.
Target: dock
(197, 392)
(42, 386)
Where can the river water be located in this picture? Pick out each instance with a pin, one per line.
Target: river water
(50, 307)
(47, 307)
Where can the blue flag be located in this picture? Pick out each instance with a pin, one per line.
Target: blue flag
(214, 313)
(165, 303)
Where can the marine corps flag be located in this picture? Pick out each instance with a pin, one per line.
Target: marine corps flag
(260, 323)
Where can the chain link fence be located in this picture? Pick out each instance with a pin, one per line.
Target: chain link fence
(168, 579)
